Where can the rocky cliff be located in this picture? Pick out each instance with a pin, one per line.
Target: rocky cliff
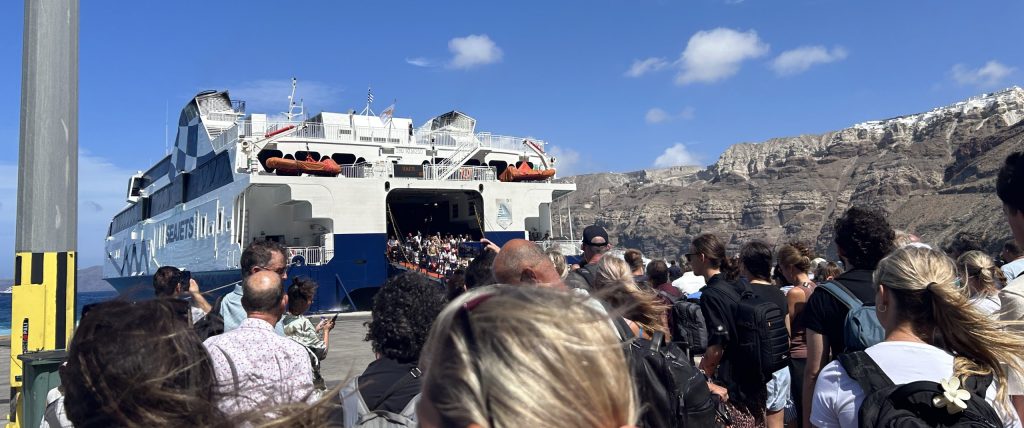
(933, 172)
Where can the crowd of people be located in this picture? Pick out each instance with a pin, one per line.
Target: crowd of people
(897, 332)
(438, 254)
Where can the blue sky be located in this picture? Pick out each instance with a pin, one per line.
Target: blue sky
(611, 85)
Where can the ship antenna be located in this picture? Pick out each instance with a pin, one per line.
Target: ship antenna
(292, 105)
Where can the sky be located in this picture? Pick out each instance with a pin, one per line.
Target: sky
(610, 85)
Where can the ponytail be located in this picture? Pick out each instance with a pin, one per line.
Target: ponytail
(922, 281)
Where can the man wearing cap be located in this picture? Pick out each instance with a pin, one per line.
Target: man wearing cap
(595, 244)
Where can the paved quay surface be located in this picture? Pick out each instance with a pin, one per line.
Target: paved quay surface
(348, 355)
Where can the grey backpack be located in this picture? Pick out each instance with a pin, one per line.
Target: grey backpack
(861, 328)
(358, 414)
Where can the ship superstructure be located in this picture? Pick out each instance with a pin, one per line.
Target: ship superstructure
(233, 177)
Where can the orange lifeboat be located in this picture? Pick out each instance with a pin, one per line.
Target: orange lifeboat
(525, 173)
(324, 168)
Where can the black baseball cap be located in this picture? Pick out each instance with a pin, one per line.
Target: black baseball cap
(592, 232)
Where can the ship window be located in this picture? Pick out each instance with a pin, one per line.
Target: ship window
(394, 140)
(344, 158)
(301, 155)
(367, 139)
(220, 220)
(360, 160)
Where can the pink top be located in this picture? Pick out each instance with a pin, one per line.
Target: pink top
(256, 368)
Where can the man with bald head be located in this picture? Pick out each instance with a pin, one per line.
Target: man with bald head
(522, 262)
(255, 367)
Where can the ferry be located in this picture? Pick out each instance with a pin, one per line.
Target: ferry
(332, 188)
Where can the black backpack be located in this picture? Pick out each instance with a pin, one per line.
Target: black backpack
(686, 324)
(212, 324)
(762, 340)
(910, 405)
(671, 390)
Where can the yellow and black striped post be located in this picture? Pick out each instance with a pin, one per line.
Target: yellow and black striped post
(43, 317)
(46, 230)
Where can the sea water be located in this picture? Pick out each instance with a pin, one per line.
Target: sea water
(82, 300)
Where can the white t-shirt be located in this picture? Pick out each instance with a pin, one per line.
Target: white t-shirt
(837, 397)
(987, 304)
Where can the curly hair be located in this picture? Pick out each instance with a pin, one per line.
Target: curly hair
(302, 291)
(403, 311)
(864, 236)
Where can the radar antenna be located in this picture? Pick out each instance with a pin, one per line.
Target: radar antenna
(294, 109)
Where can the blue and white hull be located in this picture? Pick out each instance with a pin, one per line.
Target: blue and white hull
(199, 207)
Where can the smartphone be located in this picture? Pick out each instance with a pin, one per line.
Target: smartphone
(335, 318)
(471, 249)
(186, 278)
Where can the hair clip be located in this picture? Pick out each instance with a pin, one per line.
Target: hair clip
(952, 397)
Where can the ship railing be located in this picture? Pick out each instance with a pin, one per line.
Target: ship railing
(462, 173)
(564, 246)
(313, 256)
(376, 135)
(224, 117)
(226, 138)
(362, 170)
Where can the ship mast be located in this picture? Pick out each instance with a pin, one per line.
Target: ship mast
(292, 105)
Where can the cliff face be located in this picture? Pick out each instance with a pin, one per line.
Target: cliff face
(933, 172)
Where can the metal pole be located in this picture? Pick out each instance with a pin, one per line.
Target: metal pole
(43, 301)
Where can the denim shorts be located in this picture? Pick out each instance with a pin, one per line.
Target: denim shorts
(779, 390)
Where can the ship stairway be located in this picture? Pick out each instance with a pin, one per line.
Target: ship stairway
(466, 149)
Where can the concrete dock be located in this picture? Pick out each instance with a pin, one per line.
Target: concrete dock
(348, 355)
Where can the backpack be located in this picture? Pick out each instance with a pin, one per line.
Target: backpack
(762, 340)
(357, 413)
(671, 390)
(212, 324)
(910, 405)
(587, 276)
(686, 324)
(861, 328)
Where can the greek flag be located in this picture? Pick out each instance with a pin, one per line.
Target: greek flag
(369, 96)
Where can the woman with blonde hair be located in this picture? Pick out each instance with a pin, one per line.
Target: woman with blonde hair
(558, 259)
(483, 367)
(981, 279)
(932, 333)
(643, 310)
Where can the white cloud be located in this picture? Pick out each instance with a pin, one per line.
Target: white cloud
(268, 95)
(715, 55)
(656, 115)
(419, 62)
(567, 160)
(641, 67)
(675, 156)
(472, 51)
(799, 60)
(101, 191)
(991, 74)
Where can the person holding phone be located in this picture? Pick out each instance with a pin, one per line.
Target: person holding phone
(300, 329)
(172, 282)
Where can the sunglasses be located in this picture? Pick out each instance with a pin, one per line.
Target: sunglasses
(280, 271)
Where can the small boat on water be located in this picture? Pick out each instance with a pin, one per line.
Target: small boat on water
(324, 168)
